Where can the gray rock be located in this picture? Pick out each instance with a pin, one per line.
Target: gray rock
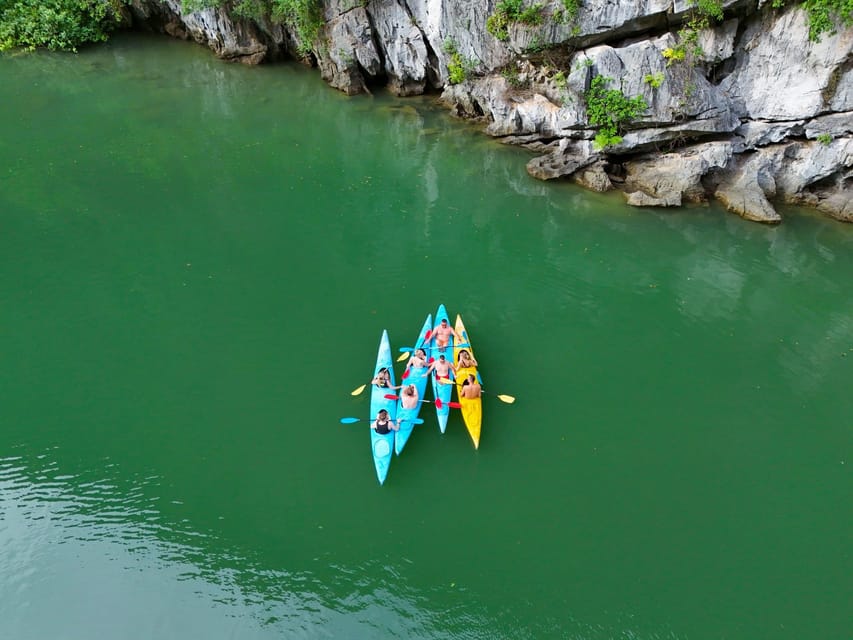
(666, 180)
(564, 160)
(780, 74)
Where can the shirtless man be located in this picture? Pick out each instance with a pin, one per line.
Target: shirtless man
(383, 424)
(440, 366)
(442, 334)
(418, 360)
(471, 389)
(409, 398)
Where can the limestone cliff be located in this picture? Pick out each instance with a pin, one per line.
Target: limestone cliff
(742, 107)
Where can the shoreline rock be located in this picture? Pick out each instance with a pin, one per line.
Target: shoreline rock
(752, 113)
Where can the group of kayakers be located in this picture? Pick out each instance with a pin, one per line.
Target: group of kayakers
(440, 368)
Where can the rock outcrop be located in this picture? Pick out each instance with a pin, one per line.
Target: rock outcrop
(747, 110)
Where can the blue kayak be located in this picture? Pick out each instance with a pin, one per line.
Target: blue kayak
(414, 375)
(382, 445)
(441, 391)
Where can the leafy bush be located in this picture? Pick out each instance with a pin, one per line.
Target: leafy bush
(654, 79)
(610, 109)
(458, 68)
(509, 11)
(825, 16)
(56, 24)
(824, 138)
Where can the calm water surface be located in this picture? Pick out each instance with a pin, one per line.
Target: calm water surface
(196, 263)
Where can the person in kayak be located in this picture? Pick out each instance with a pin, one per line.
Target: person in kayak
(409, 398)
(440, 366)
(471, 389)
(464, 361)
(418, 360)
(383, 424)
(442, 334)
(383, 379)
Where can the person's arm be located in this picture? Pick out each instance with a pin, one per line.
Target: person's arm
(429, 368)
(397, 426)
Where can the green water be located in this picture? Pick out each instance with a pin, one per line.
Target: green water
(197, 260)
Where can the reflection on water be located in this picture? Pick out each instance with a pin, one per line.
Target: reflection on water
(95, 541)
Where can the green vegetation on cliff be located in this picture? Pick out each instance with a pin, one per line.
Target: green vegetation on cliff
(56, 24)
(68, 24)
(303, 17)
(610, 109)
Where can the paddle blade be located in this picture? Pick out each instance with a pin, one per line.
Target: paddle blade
(391, 396)
(427, 336)
(358, 391)
(349, 420)
(446, 381)
(507, 399)
(454, 405)
(438, 403)
(406, 373)
(403, 356)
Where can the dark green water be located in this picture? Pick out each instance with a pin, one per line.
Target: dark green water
(196, 263)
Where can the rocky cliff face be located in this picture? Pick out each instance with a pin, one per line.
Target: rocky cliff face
(745, 109)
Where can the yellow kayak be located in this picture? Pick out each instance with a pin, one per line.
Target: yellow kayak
(472, 408)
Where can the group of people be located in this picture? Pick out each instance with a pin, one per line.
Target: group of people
(441, 368)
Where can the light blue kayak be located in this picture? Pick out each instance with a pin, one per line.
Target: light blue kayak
(382, 446)
(442, 391)
(413, 375)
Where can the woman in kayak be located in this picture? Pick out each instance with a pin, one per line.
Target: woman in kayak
(383, 424)
(464, 361)
(383, 379)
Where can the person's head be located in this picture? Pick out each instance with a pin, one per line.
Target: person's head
(441, 357)
(410, 390)
(444, 322)
(421, 353)
(382, 416)
(463, 354)
(471, 378)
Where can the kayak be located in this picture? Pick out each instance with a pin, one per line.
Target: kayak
(413, 375)
(382, 445)
(441, 391)
(472, 408)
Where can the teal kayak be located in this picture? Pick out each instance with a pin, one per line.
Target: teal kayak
(382, 446)
(413, 375)
(441, 391)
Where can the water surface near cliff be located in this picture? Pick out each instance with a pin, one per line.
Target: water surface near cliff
(197, 262)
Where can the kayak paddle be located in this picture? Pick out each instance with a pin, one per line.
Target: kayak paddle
(438, 402)
(351, 420)
(501, 397)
